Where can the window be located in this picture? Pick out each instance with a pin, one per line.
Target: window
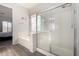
(9, 27)
(39, 23)
(6, 26)
(33, 23)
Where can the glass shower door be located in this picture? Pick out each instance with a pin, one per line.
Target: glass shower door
(56, 31)
(63, 35)
(43, 33)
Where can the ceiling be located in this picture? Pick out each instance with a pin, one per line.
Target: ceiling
(37, 7)
(28, 5)
(32, 7)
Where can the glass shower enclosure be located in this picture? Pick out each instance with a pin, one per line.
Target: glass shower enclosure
(55, 30)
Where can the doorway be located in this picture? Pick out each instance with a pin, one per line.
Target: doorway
(5, 26)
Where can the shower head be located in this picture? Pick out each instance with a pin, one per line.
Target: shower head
(66, 5)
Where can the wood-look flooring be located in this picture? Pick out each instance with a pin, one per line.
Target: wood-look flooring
(7, 49)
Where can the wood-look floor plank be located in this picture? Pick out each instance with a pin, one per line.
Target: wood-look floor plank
(7, 49)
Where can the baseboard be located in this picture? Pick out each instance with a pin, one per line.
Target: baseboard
(44, 52)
